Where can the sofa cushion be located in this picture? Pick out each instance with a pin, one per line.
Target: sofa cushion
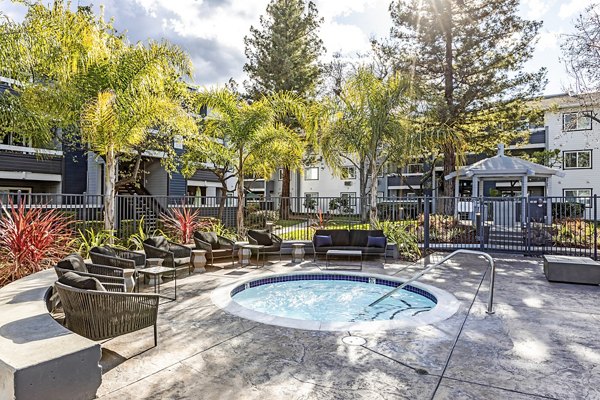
(73, 262)
(376, 241)
(358, 237)
(262, 237)
(210, 238)
(340, 237)
(323, 240)
(81, 282)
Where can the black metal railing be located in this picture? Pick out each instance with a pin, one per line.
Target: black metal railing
(530, 225)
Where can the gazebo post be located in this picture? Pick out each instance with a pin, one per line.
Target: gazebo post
(475, 197)
(524, 198)
(456, 195)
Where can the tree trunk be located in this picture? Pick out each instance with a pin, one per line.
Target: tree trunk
(449, 148)
(222, 201)
(449, 167)
(284, 202)
(373, 195)
(110, 178)
(362, 181)
(239, 220)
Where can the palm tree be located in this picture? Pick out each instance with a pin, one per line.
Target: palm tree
(369, 126)
(129, 95)
(247, 137)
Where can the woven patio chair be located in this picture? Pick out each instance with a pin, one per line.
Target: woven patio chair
(270, 241)
(115, 257)
(113, 278)
(173, 254)
(99, 315)
(216, 246)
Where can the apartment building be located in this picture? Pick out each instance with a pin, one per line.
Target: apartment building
(568, 127)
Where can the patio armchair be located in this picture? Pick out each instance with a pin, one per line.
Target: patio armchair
(114, 279)
(173, 255)
(99, 315)
(115, 257)
(270, 241)
(216, 246)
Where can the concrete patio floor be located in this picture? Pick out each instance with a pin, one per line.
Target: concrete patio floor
(542, 343)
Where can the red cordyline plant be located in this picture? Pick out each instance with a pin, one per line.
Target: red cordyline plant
(31, 240)
(181, 223)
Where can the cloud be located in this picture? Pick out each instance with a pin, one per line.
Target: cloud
(536, 9)
(573, 7)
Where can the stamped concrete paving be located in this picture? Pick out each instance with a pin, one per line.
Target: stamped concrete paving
(542, 343)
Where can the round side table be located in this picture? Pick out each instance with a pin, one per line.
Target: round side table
(244, 254)
(199, 260)
(297, 252)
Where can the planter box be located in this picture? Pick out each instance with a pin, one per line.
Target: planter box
(572, 269)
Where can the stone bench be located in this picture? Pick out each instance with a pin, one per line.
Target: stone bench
(39, 358)
(572, 269)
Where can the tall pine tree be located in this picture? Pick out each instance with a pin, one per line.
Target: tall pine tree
(469, 58)
(283, 56)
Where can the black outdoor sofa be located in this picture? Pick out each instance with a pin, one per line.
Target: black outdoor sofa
(370, 242)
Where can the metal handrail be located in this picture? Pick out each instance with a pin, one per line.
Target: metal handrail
(490, 308)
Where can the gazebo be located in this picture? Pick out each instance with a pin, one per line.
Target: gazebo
(502, 168)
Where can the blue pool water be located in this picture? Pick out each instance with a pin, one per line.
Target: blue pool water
(331, 300)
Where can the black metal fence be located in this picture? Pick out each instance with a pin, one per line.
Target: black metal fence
(530, 225)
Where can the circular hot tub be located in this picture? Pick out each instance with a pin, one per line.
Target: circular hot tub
(335, 301)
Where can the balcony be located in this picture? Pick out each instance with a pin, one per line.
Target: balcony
(30, 163)
(397, 181)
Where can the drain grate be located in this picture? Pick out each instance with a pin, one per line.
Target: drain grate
(237, 273)
(354, 341)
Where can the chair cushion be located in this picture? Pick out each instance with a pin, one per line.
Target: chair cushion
(81, 282)
(209, 237)
(104, 250)
(323, 240)
(262, 237)
(159, 242)
(73, 262)
(182, 261)
(222, 252)
(376, 241)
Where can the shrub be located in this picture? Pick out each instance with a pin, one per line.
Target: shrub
(258, 219)
(91, 238)
(181, 223)
(31, 240)
(408, 246)
(567, 210)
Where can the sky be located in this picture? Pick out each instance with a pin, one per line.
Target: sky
(212, 31)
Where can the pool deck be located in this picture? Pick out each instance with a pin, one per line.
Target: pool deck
(543, 342)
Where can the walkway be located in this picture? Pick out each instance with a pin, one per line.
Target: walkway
(542, 343)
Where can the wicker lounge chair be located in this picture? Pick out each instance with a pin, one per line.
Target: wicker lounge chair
(99, 315)
(108, 255)
(217, 247)
(173, 255)
(270, 241)
(114, 279)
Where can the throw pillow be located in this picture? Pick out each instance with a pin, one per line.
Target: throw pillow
(210, 238)
(323, 241)
(81, 282)
(376, 241)
(73, 262)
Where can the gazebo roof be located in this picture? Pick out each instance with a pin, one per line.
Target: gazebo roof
(502, 166)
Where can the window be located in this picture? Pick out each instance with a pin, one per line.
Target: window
(414, 169)
(348, 173)
(311, 174)
(582, 196)
(178, 142)
(577, 121)
(12, 139)
(280, 174)
(577, 159)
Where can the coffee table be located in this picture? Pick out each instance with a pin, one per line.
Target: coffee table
(343, 253)
(156, 272)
